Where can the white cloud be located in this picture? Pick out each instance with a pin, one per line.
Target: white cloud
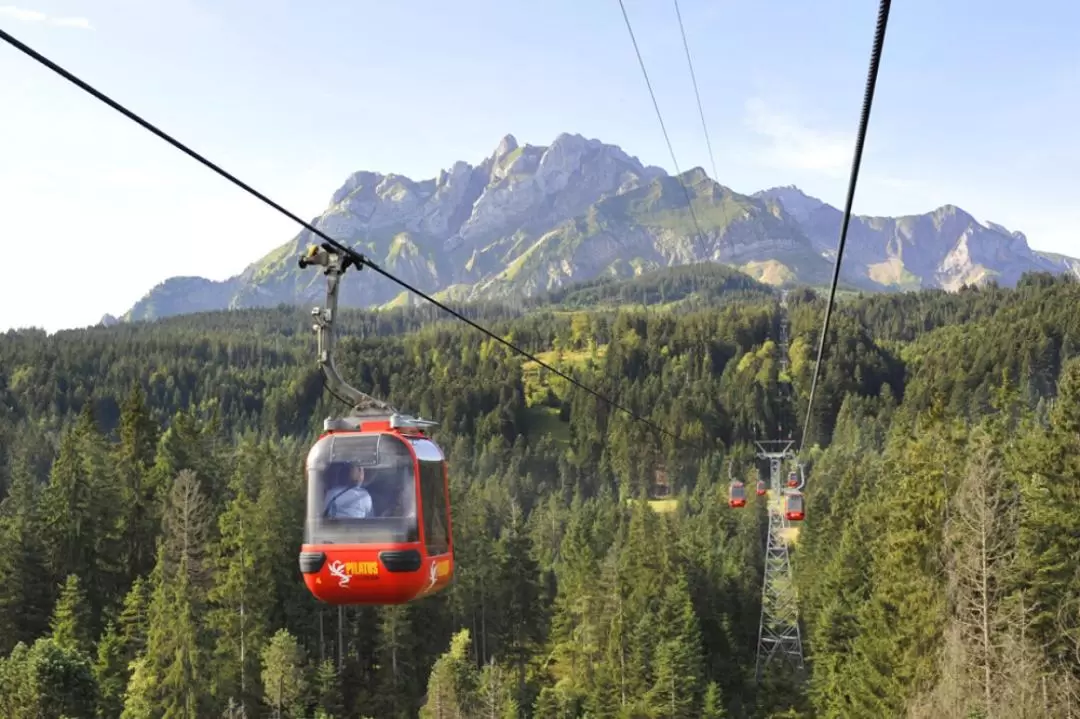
(25, 15)
(79, 22)
(791, 145)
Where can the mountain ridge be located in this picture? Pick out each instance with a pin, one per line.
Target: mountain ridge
(533, 218)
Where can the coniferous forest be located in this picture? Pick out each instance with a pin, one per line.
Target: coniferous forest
(153, 489)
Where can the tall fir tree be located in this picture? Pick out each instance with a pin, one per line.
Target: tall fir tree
(134, 457)
(239, 603)
(80, 509)
(176, 672)
(70, 623)
(451, 689)
(26, 593)
(284, 678)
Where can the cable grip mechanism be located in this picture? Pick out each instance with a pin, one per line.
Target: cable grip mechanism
(334, 265)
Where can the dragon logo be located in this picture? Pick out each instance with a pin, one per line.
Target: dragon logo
(338, 570)
(434, 575)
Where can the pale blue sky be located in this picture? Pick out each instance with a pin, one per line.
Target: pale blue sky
(977, 106)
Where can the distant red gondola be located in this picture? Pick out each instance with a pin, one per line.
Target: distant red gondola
(793, 479)
(761, 487)
(794, 507)
(737, 495)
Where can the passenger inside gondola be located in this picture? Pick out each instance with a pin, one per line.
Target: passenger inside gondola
(362, 489)
(346, 496)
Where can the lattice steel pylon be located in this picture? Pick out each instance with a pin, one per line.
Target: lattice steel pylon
(778, 631)
(779, 634)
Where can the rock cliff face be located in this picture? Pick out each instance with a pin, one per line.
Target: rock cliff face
(946, 248)
(528, 219)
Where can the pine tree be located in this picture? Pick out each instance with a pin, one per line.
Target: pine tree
(396, 652)
(712, 706)
(177, 670)
(122, 642)
(283, 675)
(1047, 465)
(140, 699)
(111, 672)
(901, 622)
(522, 612)
(134, 457)
(239, 605)
(16, 691)
(80, 509)
(26, 593)
(495, 694)
(134, 619)
(328, 699)
(46, 680)
(546, 705)
(982, 535)
(70, 620)
(189, 444)
(677, 664)
(278, 525)
(451, 689)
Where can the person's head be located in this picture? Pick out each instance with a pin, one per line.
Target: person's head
(356, 474)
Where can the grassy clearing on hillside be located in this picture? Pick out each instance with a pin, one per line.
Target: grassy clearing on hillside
(893, 272)
(710, 216)
(841, 294)
(770, 272)
(664, 506)
(274, 261)
(544, 418)
(660, 506)
(538, 380)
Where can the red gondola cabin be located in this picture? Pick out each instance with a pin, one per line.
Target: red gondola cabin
(761, 488)
(793, 479)
(793, 507)
(737, 495)
(378, 513)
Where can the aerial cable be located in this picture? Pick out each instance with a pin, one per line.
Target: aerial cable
(860, 138)
(693, 79)
(358, 258)
(663, 128)
(328, 388)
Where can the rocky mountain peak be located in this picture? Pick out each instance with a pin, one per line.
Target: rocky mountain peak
(529, 218)
(696, 175)
(507, 145)
(794, 201)
(457, 173)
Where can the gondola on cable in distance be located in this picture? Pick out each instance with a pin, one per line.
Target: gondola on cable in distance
(736, 489)
(794, 506)
(794, 500)
(737, 495)
(377, 527)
